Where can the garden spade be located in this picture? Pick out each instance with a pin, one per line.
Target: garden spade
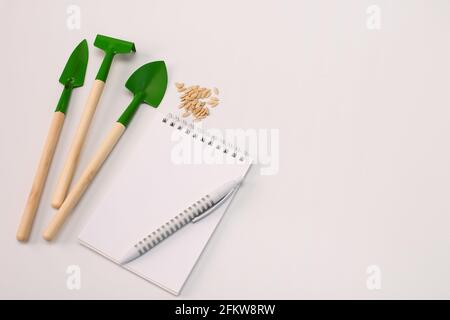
(148, 85)
(111, 47)
(71, 77)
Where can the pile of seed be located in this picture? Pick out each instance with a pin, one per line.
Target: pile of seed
(195, 100)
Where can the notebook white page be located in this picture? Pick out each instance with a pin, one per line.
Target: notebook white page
(152, 188)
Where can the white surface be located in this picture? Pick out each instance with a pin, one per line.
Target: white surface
(363, 119)
(148, 191)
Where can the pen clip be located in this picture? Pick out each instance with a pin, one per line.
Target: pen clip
(214, 207)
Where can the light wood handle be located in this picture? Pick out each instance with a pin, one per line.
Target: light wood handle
(71, 163)
(86, 178)
(26, 222)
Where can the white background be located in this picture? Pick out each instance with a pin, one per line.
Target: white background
(363, 118)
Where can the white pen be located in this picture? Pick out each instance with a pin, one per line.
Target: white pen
(195, 212)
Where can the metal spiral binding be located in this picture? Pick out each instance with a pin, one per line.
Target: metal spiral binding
(174, 224)
(189, 129)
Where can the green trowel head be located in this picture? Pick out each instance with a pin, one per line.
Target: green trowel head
(75, 69)
(148, 85)
(149, 82)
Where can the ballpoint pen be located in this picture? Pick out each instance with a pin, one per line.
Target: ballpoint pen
(200, 209)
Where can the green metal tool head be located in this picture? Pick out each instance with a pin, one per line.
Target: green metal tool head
(148, 85)
(73, 74)
(111, 46)
(75, 69)
(149, 82)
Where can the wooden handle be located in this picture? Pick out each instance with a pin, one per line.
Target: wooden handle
(23, 232)
(71, 163)
(86, 178)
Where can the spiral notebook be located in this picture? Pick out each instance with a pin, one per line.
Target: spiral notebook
(172, 165)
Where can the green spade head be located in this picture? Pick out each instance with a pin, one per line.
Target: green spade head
(111, 46)
(73, 74)
(149, 82)
(148, 85)
(75, 69)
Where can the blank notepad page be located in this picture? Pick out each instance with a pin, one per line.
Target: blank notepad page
(153, 186)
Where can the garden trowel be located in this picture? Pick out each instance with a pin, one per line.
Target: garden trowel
(71, 77)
